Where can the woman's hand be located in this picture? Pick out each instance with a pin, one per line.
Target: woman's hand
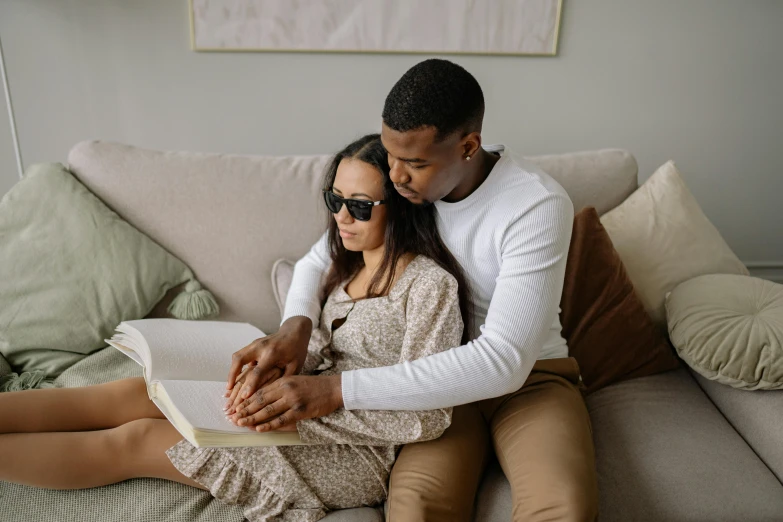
(280, 404)
(282, 353)
(233, 396)
(230, 406)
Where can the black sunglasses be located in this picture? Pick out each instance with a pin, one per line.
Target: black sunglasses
(357, 208)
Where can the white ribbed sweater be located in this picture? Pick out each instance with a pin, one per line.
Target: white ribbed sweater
(511, 237)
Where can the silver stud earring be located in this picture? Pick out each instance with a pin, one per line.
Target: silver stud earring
(467, 158)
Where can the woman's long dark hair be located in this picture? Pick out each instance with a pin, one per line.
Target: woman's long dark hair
(410, 229)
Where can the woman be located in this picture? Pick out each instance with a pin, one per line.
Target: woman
(394, 294)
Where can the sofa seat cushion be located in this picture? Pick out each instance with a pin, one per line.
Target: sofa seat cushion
(493, 499)
(756, 415)
(665, 452)
(140, 500)
(146, 500)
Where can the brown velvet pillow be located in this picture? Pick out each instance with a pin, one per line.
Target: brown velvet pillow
(608, 331)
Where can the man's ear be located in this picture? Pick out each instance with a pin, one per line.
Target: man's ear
(470, 144)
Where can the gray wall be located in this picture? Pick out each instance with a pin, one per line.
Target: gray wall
(698, 81)
(8, 171)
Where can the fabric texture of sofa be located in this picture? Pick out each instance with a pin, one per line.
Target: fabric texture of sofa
(672, 446)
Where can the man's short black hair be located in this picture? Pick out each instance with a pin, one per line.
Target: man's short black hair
(436, 93)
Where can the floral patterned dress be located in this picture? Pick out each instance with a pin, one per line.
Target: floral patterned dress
(352, 452)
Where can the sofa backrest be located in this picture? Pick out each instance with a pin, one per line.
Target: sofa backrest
(229, 217)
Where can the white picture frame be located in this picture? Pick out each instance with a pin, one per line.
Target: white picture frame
(489, 27)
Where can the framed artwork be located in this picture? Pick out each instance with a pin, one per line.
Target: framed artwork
(503, 27)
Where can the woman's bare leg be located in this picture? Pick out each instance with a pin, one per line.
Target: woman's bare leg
(93, 458)
(76, 409)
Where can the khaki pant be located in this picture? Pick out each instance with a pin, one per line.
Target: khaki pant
(542, 437)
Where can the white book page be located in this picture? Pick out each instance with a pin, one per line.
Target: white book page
(133, 348)
(201, 403)
(192, 350)
(119, 342)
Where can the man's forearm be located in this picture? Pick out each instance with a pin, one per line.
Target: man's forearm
(375, 427)
(297, 323)
(461, 375)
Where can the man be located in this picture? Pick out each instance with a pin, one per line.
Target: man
(509, 226)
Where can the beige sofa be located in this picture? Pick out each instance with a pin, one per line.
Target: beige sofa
(669, 447)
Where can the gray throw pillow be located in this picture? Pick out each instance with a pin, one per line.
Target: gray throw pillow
(729, 328)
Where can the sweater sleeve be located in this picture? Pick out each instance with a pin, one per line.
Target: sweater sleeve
(433, 324)
(522, 309)
(302, 298)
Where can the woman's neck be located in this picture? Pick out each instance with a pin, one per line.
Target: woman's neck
(373, 259)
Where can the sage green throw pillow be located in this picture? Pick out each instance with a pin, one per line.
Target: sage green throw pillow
(71, 270)
(5, 368)
(729, 328)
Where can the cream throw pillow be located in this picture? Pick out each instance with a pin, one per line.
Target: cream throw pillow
(282, 274)
(729, 329)
(664, 238)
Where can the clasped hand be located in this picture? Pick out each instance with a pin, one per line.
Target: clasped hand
(264, 393)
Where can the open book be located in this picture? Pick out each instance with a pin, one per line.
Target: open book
(186, 364)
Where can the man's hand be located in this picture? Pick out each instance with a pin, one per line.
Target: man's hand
(233, 399)
(283, 353)
(279, 405)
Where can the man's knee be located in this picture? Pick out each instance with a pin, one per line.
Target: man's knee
(437, 480)
(561, 504)
(424, 490)
(418, 500)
